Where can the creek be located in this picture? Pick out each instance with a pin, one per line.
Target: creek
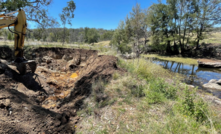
(193, 75)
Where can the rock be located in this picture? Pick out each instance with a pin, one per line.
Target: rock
(43, 64)
(7, 102)
(219, 82)
(3, 61)
(47, 59)
(217, 102)
(212, 86)
(77, 60)
(209, 63)
(129, 56)
(64, 120)
(213, 81)
(190, 86)
(64, 57)
(71, 65)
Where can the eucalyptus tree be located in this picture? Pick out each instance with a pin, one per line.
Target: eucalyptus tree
(36, 10)
(159, 24)
(66, 16)
(208, 15)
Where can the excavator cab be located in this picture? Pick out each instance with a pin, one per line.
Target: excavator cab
(20, 27)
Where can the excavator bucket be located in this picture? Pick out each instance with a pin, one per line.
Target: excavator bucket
(22, 68)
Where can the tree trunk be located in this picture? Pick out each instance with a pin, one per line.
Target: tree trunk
(137, 49)
(64, 37)
(168, 49)
(199, 36)
(175, 49)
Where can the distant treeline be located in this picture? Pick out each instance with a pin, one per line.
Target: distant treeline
(88, 35)
(216, 29)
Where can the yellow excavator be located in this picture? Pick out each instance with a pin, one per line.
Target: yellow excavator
(20, 27)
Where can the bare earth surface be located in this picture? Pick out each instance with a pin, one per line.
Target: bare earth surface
(46, 102)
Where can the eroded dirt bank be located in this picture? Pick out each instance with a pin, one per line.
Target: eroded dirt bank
(47, 101)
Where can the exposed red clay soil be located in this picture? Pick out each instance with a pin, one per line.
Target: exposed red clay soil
(46, 102)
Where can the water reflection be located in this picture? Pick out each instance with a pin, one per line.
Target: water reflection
(195, 75)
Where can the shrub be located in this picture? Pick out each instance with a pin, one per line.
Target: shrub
(195, 108)
(124, 48)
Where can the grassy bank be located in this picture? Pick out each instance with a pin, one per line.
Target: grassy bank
(183, 60)
(146, 99)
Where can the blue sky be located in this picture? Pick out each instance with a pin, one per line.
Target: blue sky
(97, 13)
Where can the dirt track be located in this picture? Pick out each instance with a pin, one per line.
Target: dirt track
(47, 101)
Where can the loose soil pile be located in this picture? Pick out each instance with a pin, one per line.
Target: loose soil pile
(47, 101)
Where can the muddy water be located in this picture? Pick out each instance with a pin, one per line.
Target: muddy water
(194, 75)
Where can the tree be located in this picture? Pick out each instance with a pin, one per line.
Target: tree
(137, 23)
(67, 15)
(208, 14)
(128, 30)
(92, 36)
(118, 34)
(159, 23)
(86, 29)
(107, 35)
(182, 22)
(36, 10)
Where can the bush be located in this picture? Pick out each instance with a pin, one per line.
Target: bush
(10, 36)
(124, 48)
(195, 108)
(159, 91)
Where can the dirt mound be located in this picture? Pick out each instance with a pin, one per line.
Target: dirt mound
(47, 102)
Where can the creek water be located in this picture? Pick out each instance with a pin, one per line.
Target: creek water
(194, 75)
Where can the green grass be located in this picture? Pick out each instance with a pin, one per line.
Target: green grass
(213, 38)
(145, 99)
(146, 102)
(183, 60)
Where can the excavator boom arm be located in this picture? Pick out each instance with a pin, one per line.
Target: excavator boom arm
(19, 31)
(7, 19)
(6, 23)
(20, 26)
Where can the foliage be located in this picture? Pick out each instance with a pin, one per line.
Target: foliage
(36, 10)
(67, 15)
(132, 29)
(177, 21)
(10, 36)
(158, 107)
(194, 108)
(92, 36)
(124, 48)
(158, 90)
